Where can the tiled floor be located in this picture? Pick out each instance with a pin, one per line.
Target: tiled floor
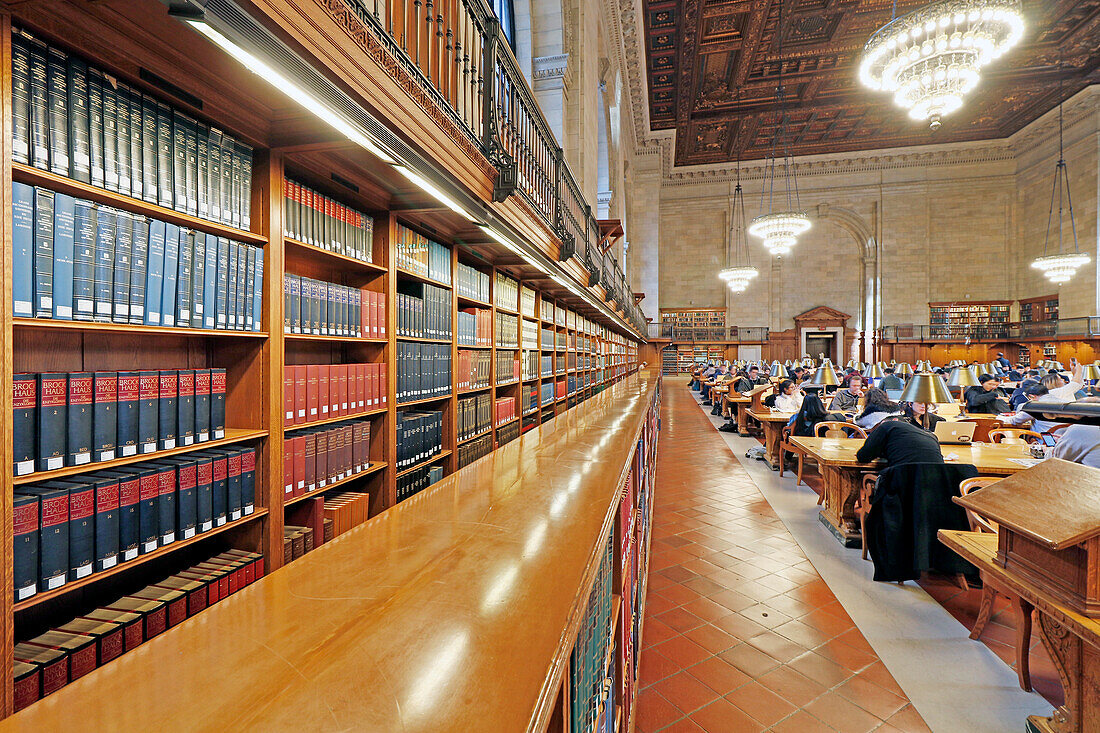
(741, 633)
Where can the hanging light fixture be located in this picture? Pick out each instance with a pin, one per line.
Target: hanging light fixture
(1061, 266)
(739, 271)
(932, 57)
(779, 229)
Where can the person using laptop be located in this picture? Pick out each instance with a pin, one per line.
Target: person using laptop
(847, 399)
(918, 414)
(987, 398)
(899, 442)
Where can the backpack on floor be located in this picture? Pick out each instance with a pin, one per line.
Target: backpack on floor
(757, 452)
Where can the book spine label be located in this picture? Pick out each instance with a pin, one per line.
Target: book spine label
(81, 531)
(40, 111)
(202, 405)
(84, 233)
(64, 242)
(148, 411)
(167, 419)
(129, 499)
(149, 511)
(217, 403)
(171, 265)
(105, 417)
(80, 161)
(79, 419)
(128, 409)
(24, 424)
(185, 408)
(25, 556)
(95, 127)
(120, 291)
(23, 251)
(43, 253)
(139, 269)
(21, 98)
(154, 275)
(106, 523)
(104, 262)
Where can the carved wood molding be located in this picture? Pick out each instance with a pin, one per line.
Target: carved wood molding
(1065, 652)
(349, 22)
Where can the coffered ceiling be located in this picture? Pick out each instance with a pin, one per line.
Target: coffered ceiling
(714, 65)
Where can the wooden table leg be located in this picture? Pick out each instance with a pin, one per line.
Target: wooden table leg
(743, 420)
(1078, 665)
(839, 515)
(771, 444)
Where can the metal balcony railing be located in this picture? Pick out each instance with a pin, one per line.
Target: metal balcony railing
(1086, 326)
(734, 334)
(458, 53)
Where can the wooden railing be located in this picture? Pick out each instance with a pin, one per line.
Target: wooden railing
(1084, 327)
(458, 52)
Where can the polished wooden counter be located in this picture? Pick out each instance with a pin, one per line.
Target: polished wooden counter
(455, 610)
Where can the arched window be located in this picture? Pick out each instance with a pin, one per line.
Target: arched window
(506, 14)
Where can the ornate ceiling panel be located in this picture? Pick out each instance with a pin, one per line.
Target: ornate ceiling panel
(714, 65)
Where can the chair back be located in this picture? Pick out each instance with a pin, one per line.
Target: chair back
(1056, 430)
(838, 429)
(1014, 436)
(978, 523)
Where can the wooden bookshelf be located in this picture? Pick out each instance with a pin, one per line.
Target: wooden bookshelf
(302, 149)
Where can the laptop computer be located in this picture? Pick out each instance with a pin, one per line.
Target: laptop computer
(894, 394)
(955, 433)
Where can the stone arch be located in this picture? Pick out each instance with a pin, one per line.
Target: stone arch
(870, 276)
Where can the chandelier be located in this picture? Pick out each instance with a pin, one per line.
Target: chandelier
(1061, 266)
(931, 58)
(741, 272)
(779, 229)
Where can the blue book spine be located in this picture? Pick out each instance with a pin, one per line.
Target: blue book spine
(120, 292)
(63, 233)
(154, 278)
(139, 265)
(222, 286)
(171, 263)
(84, 228)
(210, 281)
(250, 284)
(198, 280)
(104, 262)
(22, 241)
(43, 253)
(231, 297)
(257, 291)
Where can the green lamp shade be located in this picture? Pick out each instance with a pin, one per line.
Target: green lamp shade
(928, 389)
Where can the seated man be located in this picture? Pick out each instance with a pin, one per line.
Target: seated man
(1019, 396)
(719, 391)
(847, 399)
(891, 380)
(987, 398)
(899, 441)
(750, 380)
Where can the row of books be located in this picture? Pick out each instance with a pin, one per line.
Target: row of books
(418, 254)
(47, 662)
(297, 541)
(424, 311)
(470, 452)
(530, 333)
(315, 219)
(507, 331)
(473, 369)
(527, 301)
(419, 437)
(547, 393)
(323, 308)
(559, 363)
(504, 410)
(546, 365)
(416, 481)
(474, 415)
(346, 510)
(529, 398)
(507, 433)
(77, 418)
(313, 392)
(73, 259)
(559, 389)
(78, 121)
(507, 366)
(530, 364)
(68, 529)
(475, 327)
(472, 283)
(506, 292)
(317, 457)
(547, 340)
(423, 370)
(592, 664)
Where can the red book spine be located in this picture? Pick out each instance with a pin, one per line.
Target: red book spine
(313, 377)
(382, 383)
(298, 450)
(288, 467)
(309, 461)
(324, 403)
(288, 396)
(342, 382)
(321, 459)
(301, 409)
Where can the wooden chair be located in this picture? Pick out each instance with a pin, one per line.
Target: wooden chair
(1021, 607)
(1014, 436)
(863, 506)
(839, 429)
(1056, 430)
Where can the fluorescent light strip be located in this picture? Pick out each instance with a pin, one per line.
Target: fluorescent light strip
(287, 87)
(433, 190)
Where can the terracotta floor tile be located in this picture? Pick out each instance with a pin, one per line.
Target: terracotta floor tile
(749, 660)
(732, 599)
(686, 692)
(654, 712)
(872, 698)
(723, 717)
(777, 647)
(847, 656)
(841, 714)
(762, 705)
(678, 574)
(719, 675)
(680, 620)
(712, 638)
(680, 594)
(765, 615)
(807, 636)
(792, 685)
(656, 666)
(801, 722)
(704, 586)
(707, 609)
(683, 725)
(820, 670)
(683, 651)
(879, 675)
(908, 720)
